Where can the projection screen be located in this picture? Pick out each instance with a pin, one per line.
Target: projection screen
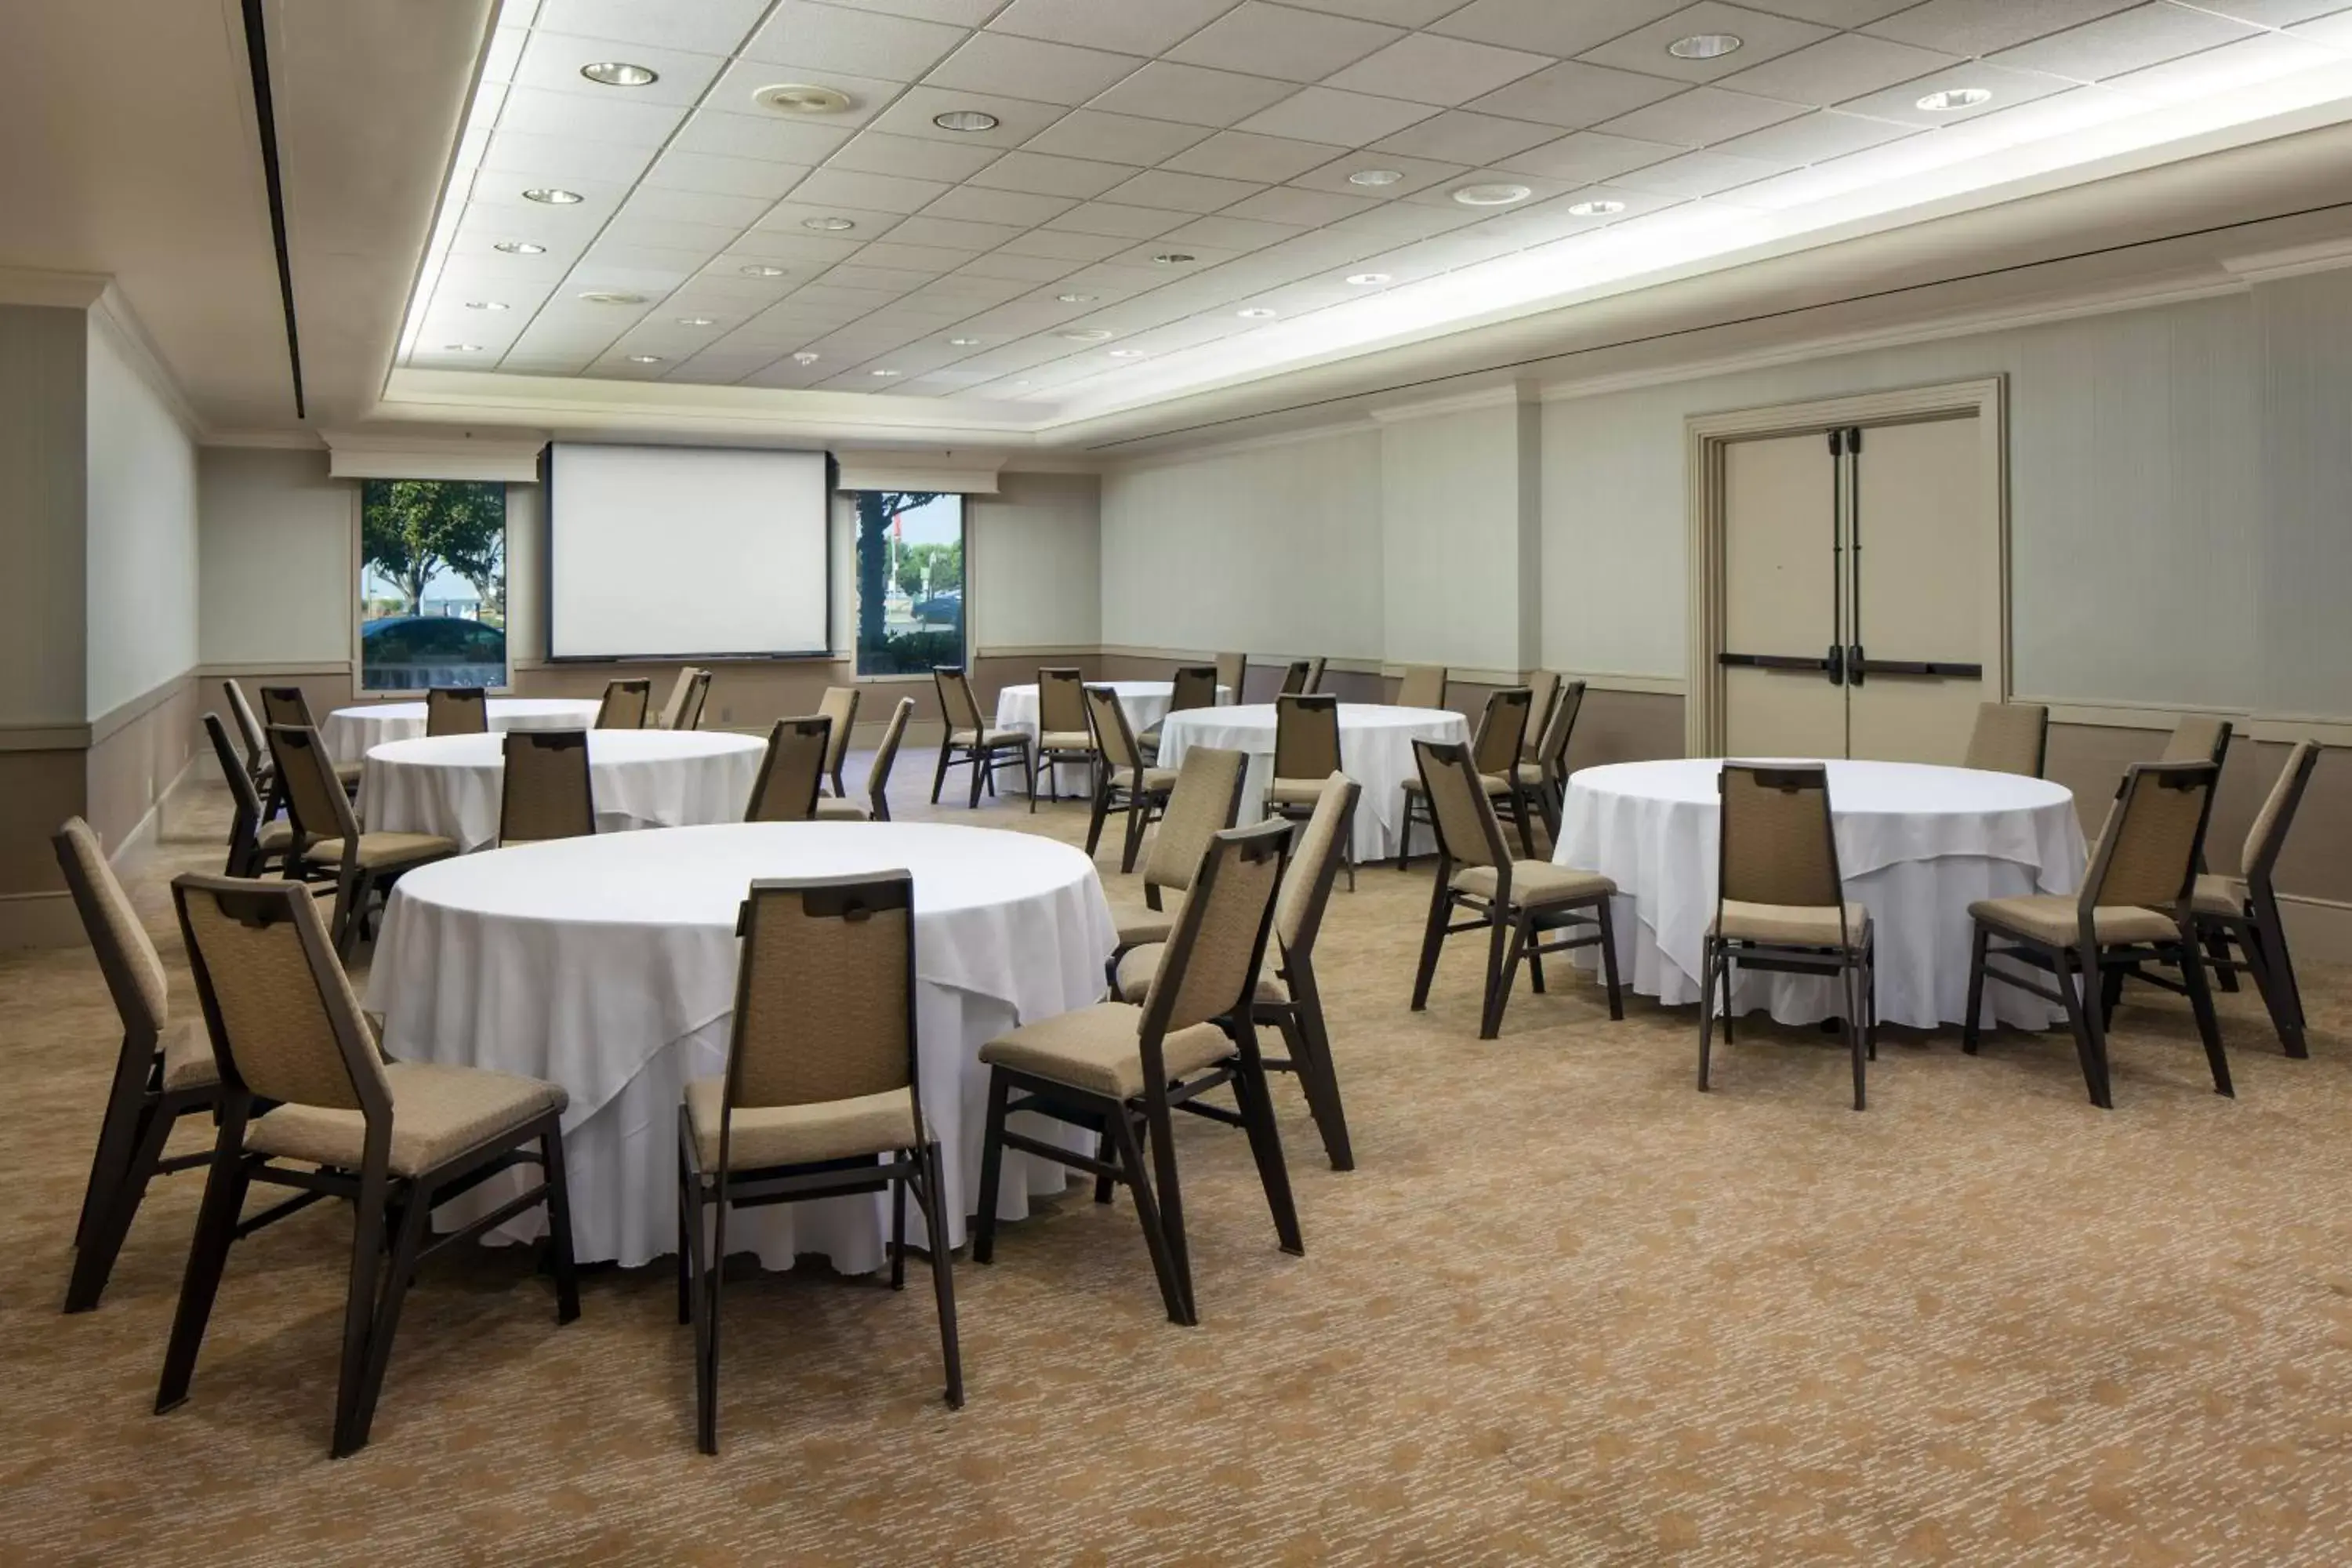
(685, 551)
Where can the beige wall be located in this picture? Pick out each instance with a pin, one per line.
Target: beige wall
(139, 522)
(43, 405)
(279, 579)
(1033, 562)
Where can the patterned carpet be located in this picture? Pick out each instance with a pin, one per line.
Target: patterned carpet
(1566, 1310)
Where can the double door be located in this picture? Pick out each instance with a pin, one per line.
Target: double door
(1861, 588)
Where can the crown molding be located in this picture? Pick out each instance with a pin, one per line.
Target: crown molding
(57, 290)
(111, 314)
(277, 440)
(432, 454)
(1505, 396)
(2263, 267)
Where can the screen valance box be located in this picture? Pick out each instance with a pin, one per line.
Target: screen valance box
(897, 471)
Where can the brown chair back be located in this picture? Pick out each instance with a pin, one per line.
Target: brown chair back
(315, 800)
(249, 729)
(1204, 802)
(839, 704)
(1422, 686)
(793, 772)
(456, 711)
(1306, 737)
(1502, 731)
(2268, 836)
(673, 710)
(1459, 812)
(1775, 842)
(245, 820)
(2010, 738)
(287, 705)
(624, 707)
(1195, 686)
(956, 703)
(548, 793)
(1560, 728)
(2148, 854)
(696, 696)
(2197, 738)
(1061, 701)
(126, 953)
(1114, 736)
(1543, 692)
(1232, 673)
(878, 778)
(1297, 677)
(1210, 965)
(1315, 861)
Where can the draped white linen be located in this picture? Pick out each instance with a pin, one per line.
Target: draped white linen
(451, 785)
(1375, 750)
(1915, 845)
(350, 732)
(1145, 702)
(607, 964)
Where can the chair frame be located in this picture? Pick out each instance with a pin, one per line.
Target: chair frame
(1550, 792)
(551, 740)
(2041, 740)
(246, 857)
(454, 700)
(1144, 804)
(2256, 929)
(638, 688)
(916, 1170)
(2101, 969)
(1184, 687)
(696, 697)
(1296, 813)
(886, 758)
(808, 725)
(1048, 761)
(1300, 1017)
(258, 763)
(1127, 1125)
(1721, 957)
(980, 754)
(1233, 672)
(1299, 678)
(1512, 931)
(356, 885)
(1524, 805)
(836, 753)
(391, 1211)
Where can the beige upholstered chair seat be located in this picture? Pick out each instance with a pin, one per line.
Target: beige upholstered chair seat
(1534, 883)
(381, 849)
(1294, 792)
(1095, 1048)
(1067, 740)
(438, 1111)
(987, 737)
(275, 838)
(1139, 966)
(1149, 925)
(2051, 918)
(1529, 773)
(1795, 925)
(2220, 896)
(348, 774)
(797, 1135)
(832, 810)
(188, 1057)
(1495, 783)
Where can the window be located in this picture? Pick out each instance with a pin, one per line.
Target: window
(909, 581)
(433, 584)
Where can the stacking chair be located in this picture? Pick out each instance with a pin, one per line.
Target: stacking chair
(1299, 678)
(971, 742)
(164, 1072)
(1495, 749)
(1204, 802)
(683, 708)
(819, 1098)
(257, 766)
(2243, 909)
(287, 705)
(1062, 733)
(1543, 696)
(1543, 779)
(696, 696)
(1514, 901)
(2136, 908)
(1195, 686)
(327, 834)
(1232, 673)
(2010, 738)
(1124, 782)
(1422, 686)
(1119, 1068)
(2197, 738)
(456, 711)
(624, 707)
(792, 773)
(1780, 903)
(839, 704)
(1305, 752)
(547, 792)
(1289, 999)
(337, 1119)
(252, 847)
(877, 805)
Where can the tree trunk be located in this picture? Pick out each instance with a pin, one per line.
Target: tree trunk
(874, 516)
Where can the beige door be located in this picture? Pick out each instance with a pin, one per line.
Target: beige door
(1924, 582)
(1780, 604)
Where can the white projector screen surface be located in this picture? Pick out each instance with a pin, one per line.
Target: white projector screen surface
(682, 552)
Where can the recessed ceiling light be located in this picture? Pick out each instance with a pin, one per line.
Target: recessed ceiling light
(486, 304)
(1953, 98)
(761, 269)
(1595, 209)
(1491, 196)
(1365, 279)
(553, 195)
(964, 343)
(828, 224)
(607, 297)
(696, 322)
(1088, 335)
(799, 97)
(1255, 313)
(881, 373)
(620, 73)
(1375, 177)
(644, 359)
(1076, 299)
(1172, 258)
(967, 120)
(1704, 46)
(520, 248)
(1127, 354)
(463, 348)
(807, 356)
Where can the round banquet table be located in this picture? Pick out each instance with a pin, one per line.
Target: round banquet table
(1145, 703)
(351, 732)
(1916, 845)
(1375, 750)
(451, 785)
(607, 965)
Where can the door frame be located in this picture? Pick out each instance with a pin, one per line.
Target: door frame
(1705, 435)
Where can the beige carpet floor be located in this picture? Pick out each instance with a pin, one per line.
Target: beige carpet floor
(1566, 1309)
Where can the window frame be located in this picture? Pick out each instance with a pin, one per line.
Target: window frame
(361, 692)
(856, 650)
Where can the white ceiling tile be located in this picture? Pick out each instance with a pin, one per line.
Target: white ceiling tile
(1309, 209)
(1696, 174)
(1116, 138)
(1840, 13)
(1238, 155)
(2275, 13)
(1340, 119)
(1031, 67)
(1403, 221)
(952, 233)
(1193, 94)
(1230, 234)
(577, 117)
(1068, 246)
(1981, 27)
(2009, 89)
(1005, 263)
(735, 213)
(831, 188)
(1428, 68)
(1458, 136)
(1539, 190)
(1550, 26)
(927, 260)
(1810, 138)
(1278, 41)
(2129, 40)
(1573, 95)
(1184, 193)
(838, 38)
(1588, 155)
(552, 62)
(1761, 37)
(780, 237)
(1703, 115)
(1837, 68)
(1017, 208)
(1149, 251)
(737, 86)
(1396, 13)
(1040, 174)
(562, 161)
(2261, 58)
(1017, 119)
(880, 280)
(765, 136)
(1417, 172)
(1108, 217)
(912, 157)
(1147, 28)
(793, 218)
(723, 176)
(711, 27)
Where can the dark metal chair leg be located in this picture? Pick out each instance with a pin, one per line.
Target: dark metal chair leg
(559, 1255)
(1708, 962)
(1432, 938)
(1266, 1144)
(399, 1275)
(2209, 1028)
(1969, 1027)
(96, 1251)
(991, 1168)
(225, 1186)
(933, 1200)
(1609, 960)
(1147, 1211)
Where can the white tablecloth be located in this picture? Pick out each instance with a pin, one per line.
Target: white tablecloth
(608, 965)
(451, 785)
(1144, 701)
(350, 731)
(1916, 845)
(1375, 750)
